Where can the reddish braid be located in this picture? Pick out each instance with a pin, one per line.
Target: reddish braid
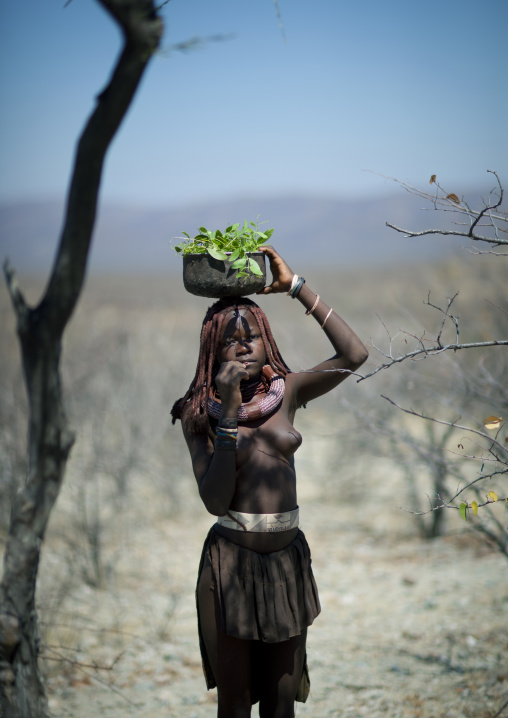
(211, 330)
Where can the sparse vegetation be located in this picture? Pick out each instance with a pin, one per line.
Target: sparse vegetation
(126, 358)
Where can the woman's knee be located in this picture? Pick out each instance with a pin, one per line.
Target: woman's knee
(282, 709)
(233, 707)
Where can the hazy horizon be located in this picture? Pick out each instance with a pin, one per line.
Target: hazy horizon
(309, 231)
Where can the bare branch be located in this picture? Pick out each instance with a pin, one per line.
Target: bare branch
(452, 424)
(442, 200)
(449, 505)
(483, 477)
(279, 20)
(142, 31)
(446, 315)
(500, 711)
(195, 43)
(447, 232)
(431, 351)
(488, 207)
(84, 668)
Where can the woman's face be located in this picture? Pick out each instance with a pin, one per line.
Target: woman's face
(241, 341)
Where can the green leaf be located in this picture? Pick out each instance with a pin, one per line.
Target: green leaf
(236, 240)
(254, 268)
(239, 263)
(463, 511)
(217, 254)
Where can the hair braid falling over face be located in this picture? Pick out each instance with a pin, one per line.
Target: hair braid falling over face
(211, 331)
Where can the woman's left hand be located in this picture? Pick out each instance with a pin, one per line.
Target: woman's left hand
(281, 273)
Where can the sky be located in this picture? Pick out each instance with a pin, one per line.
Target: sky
(342, 91)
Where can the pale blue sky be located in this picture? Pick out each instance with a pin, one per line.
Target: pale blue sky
(404, 88)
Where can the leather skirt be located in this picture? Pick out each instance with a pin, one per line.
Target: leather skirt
(262, 597)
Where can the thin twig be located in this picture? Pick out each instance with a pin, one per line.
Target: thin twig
(430, 351)
(492, 441)
(446, 232)
(279, 20)
(83, 668)
(500, 711)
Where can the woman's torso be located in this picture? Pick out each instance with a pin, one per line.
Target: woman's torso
(265, 479)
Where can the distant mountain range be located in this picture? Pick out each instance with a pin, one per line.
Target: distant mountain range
(317, 231)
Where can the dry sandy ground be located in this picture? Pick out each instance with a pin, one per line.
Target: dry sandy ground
(409, 629)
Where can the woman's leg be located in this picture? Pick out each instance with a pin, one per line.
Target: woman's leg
(230, 658)
(279, 667)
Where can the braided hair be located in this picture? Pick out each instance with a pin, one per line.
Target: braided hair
(200, 387)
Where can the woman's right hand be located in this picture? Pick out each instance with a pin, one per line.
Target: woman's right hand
(282, 274)
(227, 381)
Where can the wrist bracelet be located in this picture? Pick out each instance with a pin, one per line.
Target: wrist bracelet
(296, 289)
(309, 311)
(227, 430)
(326, 319)
(227, 434)
(293, 282)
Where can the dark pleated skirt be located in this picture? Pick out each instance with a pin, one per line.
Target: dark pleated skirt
(263, 597)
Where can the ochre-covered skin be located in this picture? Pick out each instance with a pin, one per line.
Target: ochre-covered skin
(259, 477)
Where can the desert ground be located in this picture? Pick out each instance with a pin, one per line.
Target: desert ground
(407, 629)
(410, 627)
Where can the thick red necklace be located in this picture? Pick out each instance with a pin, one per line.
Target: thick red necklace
(254, 407)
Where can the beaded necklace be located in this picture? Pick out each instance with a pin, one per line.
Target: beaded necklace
(254, 408)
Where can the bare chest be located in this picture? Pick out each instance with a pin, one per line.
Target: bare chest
(274, 434)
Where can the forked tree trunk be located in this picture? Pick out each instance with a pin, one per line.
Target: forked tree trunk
(40, 331)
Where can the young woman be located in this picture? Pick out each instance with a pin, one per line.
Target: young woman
(256, 594)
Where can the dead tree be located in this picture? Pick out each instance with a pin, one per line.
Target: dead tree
(40, 330)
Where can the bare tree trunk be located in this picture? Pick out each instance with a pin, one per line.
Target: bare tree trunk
(40, 330)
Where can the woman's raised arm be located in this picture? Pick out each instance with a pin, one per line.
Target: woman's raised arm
(350, 352)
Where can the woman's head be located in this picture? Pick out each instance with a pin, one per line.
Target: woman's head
(227, 321)
(241, 341)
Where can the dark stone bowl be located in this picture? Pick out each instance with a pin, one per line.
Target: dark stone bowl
(208, 277)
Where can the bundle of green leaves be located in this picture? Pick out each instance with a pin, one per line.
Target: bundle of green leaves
(233, 245)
